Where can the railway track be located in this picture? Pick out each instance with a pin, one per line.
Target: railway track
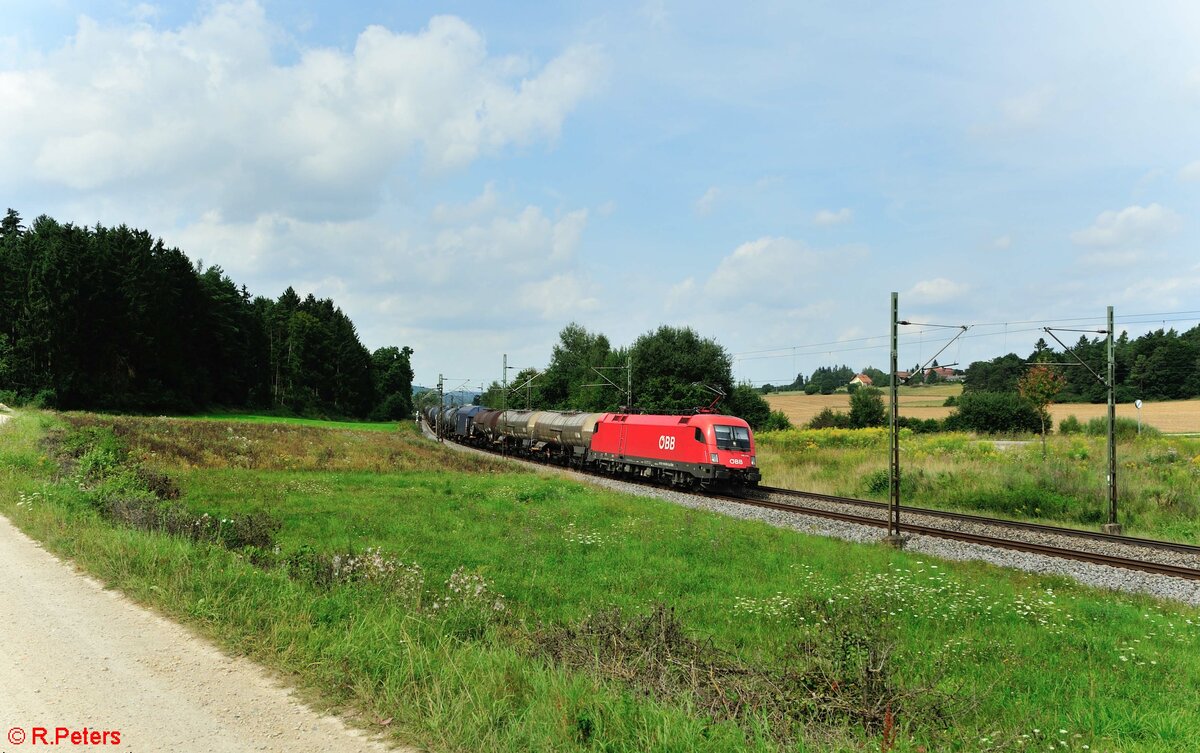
(876, 516)
(1079, 555)
(1016, 525)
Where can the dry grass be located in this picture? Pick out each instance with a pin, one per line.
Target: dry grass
(918, 402)
(1171, 417)
(173, 443)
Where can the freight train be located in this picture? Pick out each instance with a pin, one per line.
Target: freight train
(701, 450)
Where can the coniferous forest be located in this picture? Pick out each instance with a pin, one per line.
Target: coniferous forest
(112, 319)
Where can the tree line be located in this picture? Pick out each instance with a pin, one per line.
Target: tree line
(1159, 365)
(671, 369)
(113, 319)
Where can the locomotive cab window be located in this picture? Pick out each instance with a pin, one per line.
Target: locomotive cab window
(732, 437)
(699, 436)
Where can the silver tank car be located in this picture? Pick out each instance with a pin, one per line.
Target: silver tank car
(566, 429)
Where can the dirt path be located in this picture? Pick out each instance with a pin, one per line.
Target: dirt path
(75, 655)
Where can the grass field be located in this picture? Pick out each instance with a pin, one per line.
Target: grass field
(1170, 417)
(483, 608)
(1158, 478)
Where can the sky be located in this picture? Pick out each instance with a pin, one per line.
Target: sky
(467, 178)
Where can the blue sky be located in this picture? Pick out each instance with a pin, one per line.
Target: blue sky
(467, 178)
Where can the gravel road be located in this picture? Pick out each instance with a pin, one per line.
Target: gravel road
(75, 655)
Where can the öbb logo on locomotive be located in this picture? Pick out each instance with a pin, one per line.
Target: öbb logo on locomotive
(691, 450)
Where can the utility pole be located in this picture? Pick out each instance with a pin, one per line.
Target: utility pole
(504, 385)
(1110, 382)
(629, 382)
(1112, 526)
(437, 421)
(894, 538)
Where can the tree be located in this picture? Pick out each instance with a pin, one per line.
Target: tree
(392, 375)
(878, 377)
(830, 379)
(745, 403)
(572, 362)
(1038, 387)
(993, 413)
(997, 375)
(866, 408)
(672, 366)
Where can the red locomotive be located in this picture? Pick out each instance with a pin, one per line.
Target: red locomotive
(685, 450)
(705, 449)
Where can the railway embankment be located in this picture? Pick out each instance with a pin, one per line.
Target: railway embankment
(461, 603)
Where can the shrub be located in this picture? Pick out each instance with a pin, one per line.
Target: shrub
(1070, 425)
(993, 413)
(1125, 428)
(880, 483)
(866, 408)
(920, 425)
(951, 401)
(777, 421)
(811, 388)
(745, 402)
(828, 418)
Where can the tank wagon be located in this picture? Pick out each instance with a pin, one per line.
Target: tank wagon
(705, 449)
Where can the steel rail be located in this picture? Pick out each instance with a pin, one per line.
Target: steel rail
(997, 522)
(1127, 563)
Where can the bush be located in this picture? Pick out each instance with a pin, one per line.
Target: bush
(994, 413)
(745, 403)
(866, 408)
(951, 401)
(777, 421)
(1125, 428)
(811, 388)
(828, 418)
(920, 425)
(1070, 425)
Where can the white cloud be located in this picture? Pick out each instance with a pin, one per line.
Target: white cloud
(511, 248)
(704, 205)
(1002, 243)
(560, 297)
(567, 232)
(1114, 258)
(481, 206)
(1022, 112)
(830, 217)
(1190, 171)
(1133, 225)
(206, 110)
(775, 271)
(681, 295)
(937, 290)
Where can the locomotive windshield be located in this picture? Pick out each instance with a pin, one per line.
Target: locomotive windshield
(732, 437)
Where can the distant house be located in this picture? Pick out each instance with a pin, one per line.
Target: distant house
(862, 379)
(944, 373)
(902, 375)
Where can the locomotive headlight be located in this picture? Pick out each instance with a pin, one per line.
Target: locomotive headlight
(714, 457)
(753, 460)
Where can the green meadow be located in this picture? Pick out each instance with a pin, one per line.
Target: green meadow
(480, 607)
(1158, 477)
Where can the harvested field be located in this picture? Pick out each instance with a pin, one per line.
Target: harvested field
(1171, 417)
